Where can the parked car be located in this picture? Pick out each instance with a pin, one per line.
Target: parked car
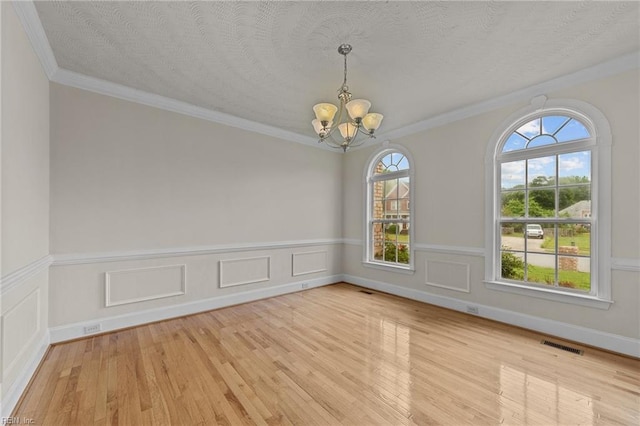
(534, 231)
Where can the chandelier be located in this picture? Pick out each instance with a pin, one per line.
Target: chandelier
(356, 121)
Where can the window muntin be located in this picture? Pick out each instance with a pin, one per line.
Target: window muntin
(545, 130)
(389, 216)
(544, 170)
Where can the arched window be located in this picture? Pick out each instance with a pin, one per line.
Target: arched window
(549, 206)
(389, 188)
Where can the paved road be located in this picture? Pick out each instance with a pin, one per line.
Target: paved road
(535, 256)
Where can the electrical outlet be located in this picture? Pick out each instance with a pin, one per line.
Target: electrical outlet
(305, 285)
(92, 329)
(472, 310)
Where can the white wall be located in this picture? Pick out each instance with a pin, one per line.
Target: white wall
(449, 216)
(134, 187)
(25, 208)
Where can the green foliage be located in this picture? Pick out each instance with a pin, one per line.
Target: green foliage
(392, 229)
(512, 266)
(390, 252)
(541, 201)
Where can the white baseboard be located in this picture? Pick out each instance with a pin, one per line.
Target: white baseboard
(76, 330)
(612, 342)
(11, 396)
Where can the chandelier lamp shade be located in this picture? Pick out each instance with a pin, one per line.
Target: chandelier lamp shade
(352, 117)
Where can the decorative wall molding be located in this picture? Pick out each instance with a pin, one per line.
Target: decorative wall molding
(33, 27)
(622, 264)
(22, 341)
(452, 271)
(111, 276)
(11, 396)
(248, 270)
(309, 262)
(28, 15)
(76, 330)
(436, 248)
(103, 87)
(21, 275)
(119, 256)
(612, 342)
(459, 250)
(603, 70)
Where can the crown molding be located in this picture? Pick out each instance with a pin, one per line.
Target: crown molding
(33, 27)
(602, 70)
(103, 87)
(30, 20)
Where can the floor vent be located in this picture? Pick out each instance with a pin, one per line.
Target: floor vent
(563, 347)
(365, 291)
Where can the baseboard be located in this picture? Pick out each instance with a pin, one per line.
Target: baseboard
(11, 397)
(608, 341)
(76, 330)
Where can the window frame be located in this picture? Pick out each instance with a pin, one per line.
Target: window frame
(369, 180)
(599, 145)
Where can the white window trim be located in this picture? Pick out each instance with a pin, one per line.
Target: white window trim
(368, 205)
(601, 200)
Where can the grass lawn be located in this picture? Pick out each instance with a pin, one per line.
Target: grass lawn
(582, 241)
(570, 279)
(401, 238)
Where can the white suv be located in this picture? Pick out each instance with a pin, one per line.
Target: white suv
(534, 231)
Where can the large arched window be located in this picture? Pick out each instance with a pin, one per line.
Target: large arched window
(389, 191)
(549, 209)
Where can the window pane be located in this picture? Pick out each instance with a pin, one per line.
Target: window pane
(511, 265)
(536, 241)
(541, 140)
(514, 143)
(575, 239)
(377, 241)
(575, 201)
(378, 210)
(378, 190)
(530, 129)
(574, 167)
(574, 272)
(541, 171)
(512, 204)
(541, 203)
(574, 130)
(541, 269)
(512, 236)
(551, 123)
(512, 174)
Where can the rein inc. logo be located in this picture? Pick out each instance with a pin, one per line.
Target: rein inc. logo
(17, 421)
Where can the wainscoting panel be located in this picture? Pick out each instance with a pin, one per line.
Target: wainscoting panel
(245, 271)
(449, 275)
(142, 284)
(20, 325)
(308, 262)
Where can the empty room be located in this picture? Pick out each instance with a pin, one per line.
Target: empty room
(331, 213)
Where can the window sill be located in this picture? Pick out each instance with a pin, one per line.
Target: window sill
(390, 268)
(549, 294)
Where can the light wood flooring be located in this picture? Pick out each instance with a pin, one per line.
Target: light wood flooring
(330, 355)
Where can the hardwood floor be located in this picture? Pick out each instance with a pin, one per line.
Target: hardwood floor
(331, 355)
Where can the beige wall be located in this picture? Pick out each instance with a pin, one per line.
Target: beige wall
(449, 208)
(128, 180)
(127, 176)
(25, 206)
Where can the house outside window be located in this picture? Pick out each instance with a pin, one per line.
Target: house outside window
(549, 207)
(389, 235)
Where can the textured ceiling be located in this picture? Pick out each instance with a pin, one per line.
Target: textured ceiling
(270, 62)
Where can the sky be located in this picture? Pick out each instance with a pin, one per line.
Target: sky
(544, 131)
